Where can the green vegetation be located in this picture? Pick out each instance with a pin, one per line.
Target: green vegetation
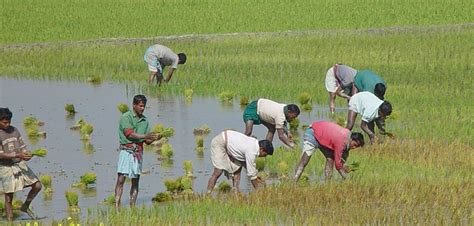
(86, 131)
(188, 168)
(72, 201)
(226, 96)
(162, 197)
(224, 186)
(88, 178)
(55, 20)
(202, 131)
(167, 151)
(46, 181)
(70, 109)
(122, 107)
(424, 53)
(41, 152)
(165, 132)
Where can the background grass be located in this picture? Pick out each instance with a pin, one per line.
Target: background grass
(56, 20)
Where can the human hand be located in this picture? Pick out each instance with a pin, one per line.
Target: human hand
(152, 136)
(391, 135)
(24, 155)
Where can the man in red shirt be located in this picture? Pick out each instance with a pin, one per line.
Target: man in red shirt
(334, 142)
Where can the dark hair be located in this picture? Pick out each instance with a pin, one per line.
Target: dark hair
(5, 113)
(379, 90)
(293, 108)
(267, 146)
(359, 137)
(139, 98)
(182, 58)
(386, 108)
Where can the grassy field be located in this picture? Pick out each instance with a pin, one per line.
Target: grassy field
(428, 72)
(423, 177)
(56, 20)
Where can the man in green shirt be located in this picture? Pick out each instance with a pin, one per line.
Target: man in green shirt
(133, 131)
(367, 80)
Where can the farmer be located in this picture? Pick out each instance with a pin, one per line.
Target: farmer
(367, 80)
(14, 172)
(334, 142)
(158, 57)
(371, 108)
(339, 81)
(230, 151)
(133, 131)
(274, 116)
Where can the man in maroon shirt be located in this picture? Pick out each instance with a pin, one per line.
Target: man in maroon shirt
(334, 142)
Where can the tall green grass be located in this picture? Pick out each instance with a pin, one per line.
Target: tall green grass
(56, 20)
(428, 72)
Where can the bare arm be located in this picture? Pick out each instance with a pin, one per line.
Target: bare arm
(344, 173)
(354, 89)
(282, 136)
(149, 137)
(342, 94)
(328, 168)
(248, 127)
(303, 162)
(381, 125)
(332, 102)
(170, 74)
(365, 127)
(11, 155)
(351, 116)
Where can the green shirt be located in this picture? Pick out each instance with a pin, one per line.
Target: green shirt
(129, 120)
(366, 80)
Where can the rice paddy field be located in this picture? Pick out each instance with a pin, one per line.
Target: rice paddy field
(251, 49)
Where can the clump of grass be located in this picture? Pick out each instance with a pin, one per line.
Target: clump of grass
(86, 131)
(165, 132)
(96, 80)
(167, 151)
(226, 96)
(224, 187)
(70, 109)
(260, 162)
(244, 101)
(122, 107)
(354, 166)
(188, 168)
(199, 141)
(203, 130)
(110, 200)
(304, 98)
(188, 94)
(41, 152)
(47, 182)
(16, 204)
(72, 201)
(162, 197)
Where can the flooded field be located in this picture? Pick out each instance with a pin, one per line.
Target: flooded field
(69, 157)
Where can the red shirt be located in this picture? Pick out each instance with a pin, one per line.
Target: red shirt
(332, 136)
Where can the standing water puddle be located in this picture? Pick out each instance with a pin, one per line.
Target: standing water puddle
(69, 158)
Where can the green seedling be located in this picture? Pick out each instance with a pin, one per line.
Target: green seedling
(260, 162)
(110, 200)
(72, 201)
(41, 152)
(188, 168)
(226, 96)
(47, 182)
(224, 187)
(122, 107)
(167, 151)
(304, 98)
(188, 93)
(203, 130)
(244, 101)
(165, 132)
(86, 131)
(162, 197)
(96, 80)
(70, 109)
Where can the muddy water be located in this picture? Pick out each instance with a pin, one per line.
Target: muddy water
(69, 157)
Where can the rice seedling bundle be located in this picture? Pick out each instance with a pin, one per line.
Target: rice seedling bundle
(188, 93)
(96, 80)
(282, 169)
(122, 107)
(294, 124)
(41, 152)
(88, 178)
(162, 197)
(30, 121)
(199, 141)
(260, 162)
(167, 150)
(186, 183)
(70, 109)
(188, 168)
(226, 96)
(307, 107)
(244, 101)
(110, 200)
(165, 132)
(72, 198)
(203, 130)
(171, 185)
(46, 181)
(86, 131)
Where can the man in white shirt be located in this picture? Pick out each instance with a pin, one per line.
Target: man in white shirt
(274, 116)
(157, 57)
(230, 151)
(371, 109)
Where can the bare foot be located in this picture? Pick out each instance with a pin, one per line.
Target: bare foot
(28, 211)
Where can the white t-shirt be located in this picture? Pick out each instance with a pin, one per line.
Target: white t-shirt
(271, 112)
(366, 104)
(245, 149)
